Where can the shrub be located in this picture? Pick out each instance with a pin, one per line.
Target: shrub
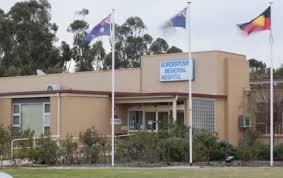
(94, 151)
(173, 129)
(278, 152)
(263, 151)
(69, 149)
(169, 144)
(46, 151)
(251, 148)
(203, 145)
(221, 150)
(26, 150)
(123, 148)
(173, 142)
(250, 137)
(104, 146)
(90, 140)
(144, 145)
(173, 149)
(5, 141)
(140, 147)
(248, 152)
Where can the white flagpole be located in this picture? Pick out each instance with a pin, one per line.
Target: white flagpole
(188, 26)
(271, 90)
(113, 86)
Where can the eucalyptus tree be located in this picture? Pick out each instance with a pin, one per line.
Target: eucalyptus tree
(174, 49)
(27, 39)
(86, 56)
(131, 44)
(258, 69)
(98, 52)
(159, 46)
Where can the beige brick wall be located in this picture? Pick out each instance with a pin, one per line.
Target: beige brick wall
(5, 111)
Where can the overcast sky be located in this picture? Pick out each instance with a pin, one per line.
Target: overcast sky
(213, 22)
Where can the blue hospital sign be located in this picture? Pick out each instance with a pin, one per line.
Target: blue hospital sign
(176, 70)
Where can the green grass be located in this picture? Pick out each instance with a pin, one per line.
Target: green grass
(147, 173)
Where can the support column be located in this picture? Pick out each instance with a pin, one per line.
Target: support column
(58, 117)
(157, 121)
(174, 109)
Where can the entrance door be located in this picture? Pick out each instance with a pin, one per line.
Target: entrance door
(150, 121)
(163, 120)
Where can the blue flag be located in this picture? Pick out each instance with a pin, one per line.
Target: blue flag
(179, 20)
(101, 29)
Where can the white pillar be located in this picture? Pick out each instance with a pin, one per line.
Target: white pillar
(174, 108)
(58, 117)
(188, 26)
(113, 90)
(271, 93)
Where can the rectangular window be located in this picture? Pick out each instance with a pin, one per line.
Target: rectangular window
(46, 118)
(46, 114)
(135, 120)
(31, 113)
(180, 117)
(261, 123)
(32, 117)
(263, 118)
(16, 120)
(204, 114)
(163, 120)
(46, 130)
(150, 120)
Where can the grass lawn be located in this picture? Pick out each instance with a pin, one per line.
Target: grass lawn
(147, 173)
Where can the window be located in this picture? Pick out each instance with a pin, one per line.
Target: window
(16, 120)
(261, 122)
(163, 120)
(263, 118)
(46, 130)
(32, 117)
(180, 117)
(150, 120)
(46, 118)
(135, 120)
(31, 113)
(204, 114)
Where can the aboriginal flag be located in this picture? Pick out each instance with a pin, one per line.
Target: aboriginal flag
(260, 23)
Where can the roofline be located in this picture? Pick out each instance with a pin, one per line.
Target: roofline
(124, 69)
(205, 51)
(69, 73)
(108, 93)
(221, 51)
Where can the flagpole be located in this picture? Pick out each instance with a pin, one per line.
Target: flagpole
(188, 26)
(113, 86)
(271, 90)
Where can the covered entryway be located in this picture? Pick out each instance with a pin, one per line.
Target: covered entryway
(149, 113)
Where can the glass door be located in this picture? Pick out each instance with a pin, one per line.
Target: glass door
(150, 121)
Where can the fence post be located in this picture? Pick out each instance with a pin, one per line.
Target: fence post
(12, 149)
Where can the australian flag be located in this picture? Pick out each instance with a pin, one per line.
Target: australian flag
(179, 20)
(101, 29)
